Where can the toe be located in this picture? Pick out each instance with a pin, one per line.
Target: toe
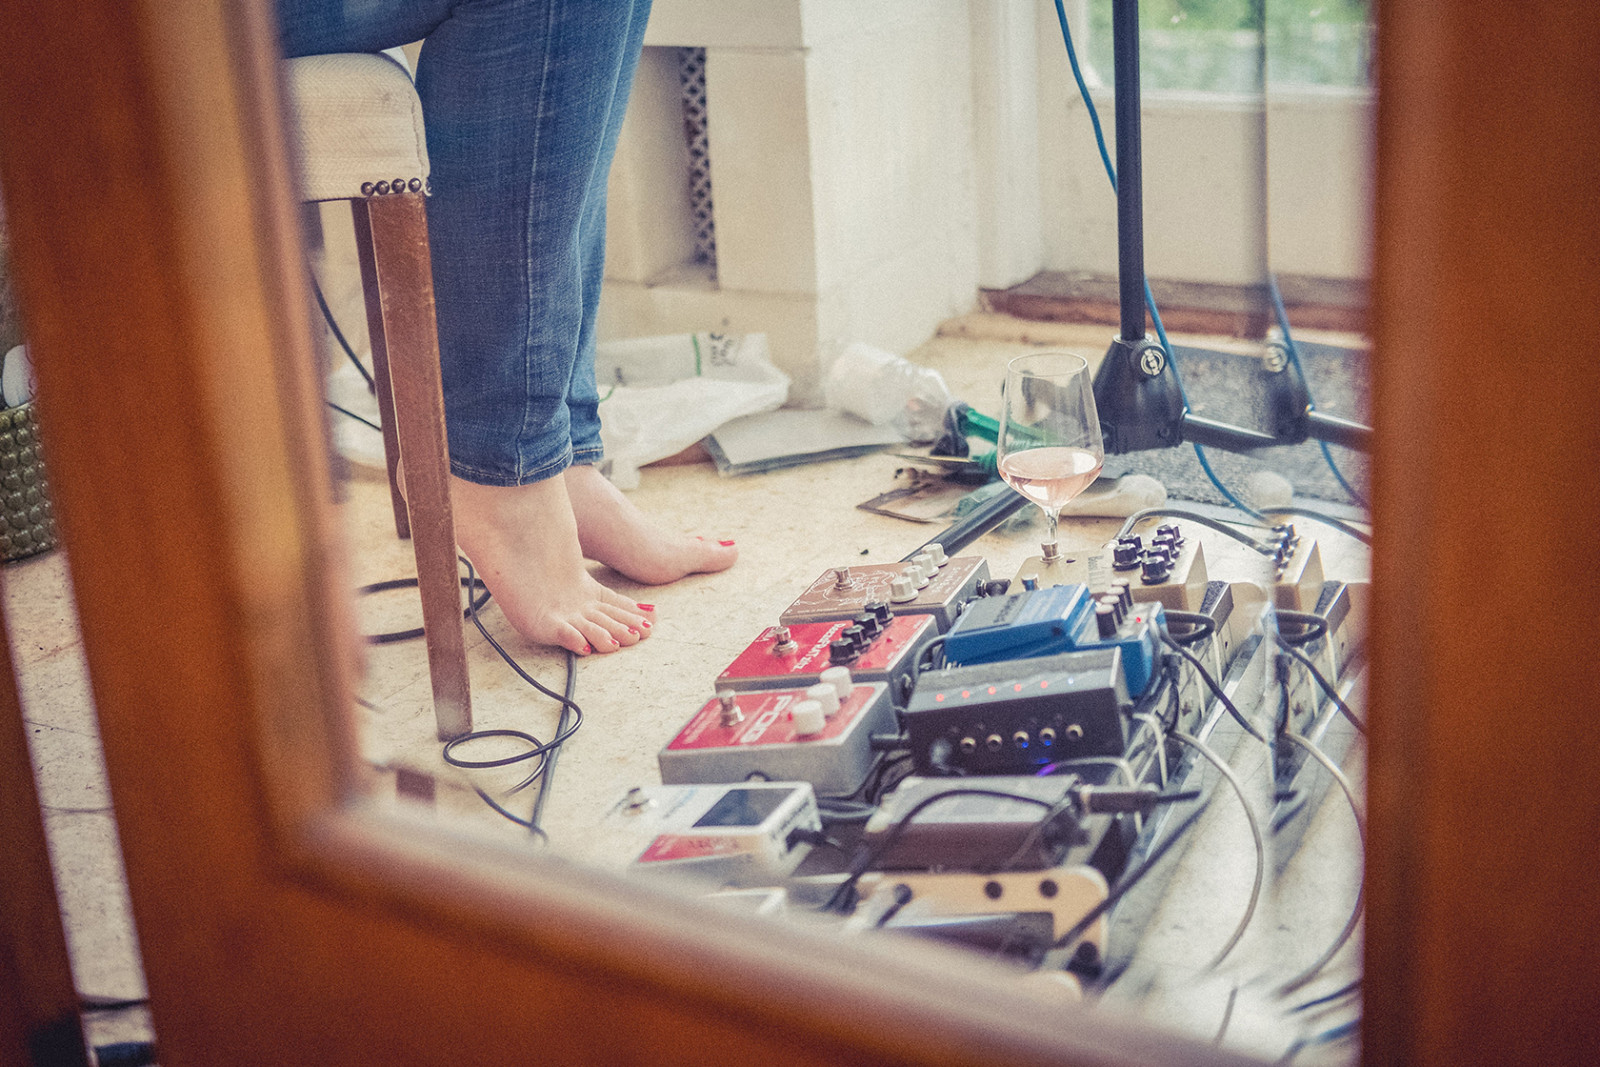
(716, 555)
(565, 635)
(629, 627)
(597, 636)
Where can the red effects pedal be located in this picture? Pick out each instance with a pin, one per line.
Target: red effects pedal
(736, 735)
(788, 657)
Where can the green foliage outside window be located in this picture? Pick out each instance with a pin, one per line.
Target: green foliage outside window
(1224, 45)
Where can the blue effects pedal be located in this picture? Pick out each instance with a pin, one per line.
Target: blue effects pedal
(1062, 618)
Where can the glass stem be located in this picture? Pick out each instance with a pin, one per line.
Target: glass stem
(1051, 516)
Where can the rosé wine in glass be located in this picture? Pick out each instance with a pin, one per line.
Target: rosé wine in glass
(1050, 448)
(1053, 475)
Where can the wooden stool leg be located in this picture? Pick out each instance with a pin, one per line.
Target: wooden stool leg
(39, 1020)
(380, 368)
(392, 238)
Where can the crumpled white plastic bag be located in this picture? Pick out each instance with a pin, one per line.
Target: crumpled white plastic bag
(659, 395)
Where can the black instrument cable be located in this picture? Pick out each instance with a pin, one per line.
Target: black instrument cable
(544, 752)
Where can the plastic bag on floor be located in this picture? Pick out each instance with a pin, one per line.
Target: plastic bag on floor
(659, 395)
(886, 390)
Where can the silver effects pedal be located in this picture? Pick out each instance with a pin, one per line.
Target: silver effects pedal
(820, 734)
(750, 834)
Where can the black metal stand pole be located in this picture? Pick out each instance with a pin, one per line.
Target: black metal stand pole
(1140, 401)
(1130, 178)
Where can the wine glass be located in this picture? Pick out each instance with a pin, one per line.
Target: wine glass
(1049, 448)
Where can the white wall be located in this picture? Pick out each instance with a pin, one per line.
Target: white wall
(841, 170)
(1320, 193)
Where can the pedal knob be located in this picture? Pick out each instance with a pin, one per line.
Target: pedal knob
(902, 590)
(869, 624)
(1030, 582)
(936, 550)
(881, 610)
(808, 717)
(731, 715)
(841, 651)
(1118, 612)
(1105, 617)
(918, 576)
(826, 695)
(1125, 557)
(841, 577)
(839, 678)
(1124, 593)
(929, 565)
(1157, 568)
(857, 637)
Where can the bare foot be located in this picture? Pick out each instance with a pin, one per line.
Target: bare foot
(613, 531)
(523, 540)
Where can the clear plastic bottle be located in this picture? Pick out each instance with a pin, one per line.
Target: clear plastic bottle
(885, 389)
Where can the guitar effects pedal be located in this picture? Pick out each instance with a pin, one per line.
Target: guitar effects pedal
(771, 733)
(1065, 894)
(1015, 716)
(1169, 570)
(1061, 618)
(951, 828)
(739, 835)
(875, 647)
(931, 584)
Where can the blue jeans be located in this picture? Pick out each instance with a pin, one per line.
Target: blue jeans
(522, 100)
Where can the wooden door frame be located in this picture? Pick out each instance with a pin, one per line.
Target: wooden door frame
(283, 920)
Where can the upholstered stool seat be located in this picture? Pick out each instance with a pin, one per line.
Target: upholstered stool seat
(359, 131)
(359, 126)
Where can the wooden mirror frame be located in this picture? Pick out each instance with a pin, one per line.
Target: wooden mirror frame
(282, 920)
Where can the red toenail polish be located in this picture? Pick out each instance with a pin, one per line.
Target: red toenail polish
(645, 607)
(725, 544)
(645, 623)
(632, 631)
(586, 650)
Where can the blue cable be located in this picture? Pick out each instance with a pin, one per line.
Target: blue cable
(1083, 90)
(1149, 297)
(1282, 315)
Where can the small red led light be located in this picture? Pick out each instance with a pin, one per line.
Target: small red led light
(1017, 687)
(938, 698)
(993, 690)
(1044, 684)
(966, 693)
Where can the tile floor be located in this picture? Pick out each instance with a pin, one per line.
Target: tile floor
(791, 526)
